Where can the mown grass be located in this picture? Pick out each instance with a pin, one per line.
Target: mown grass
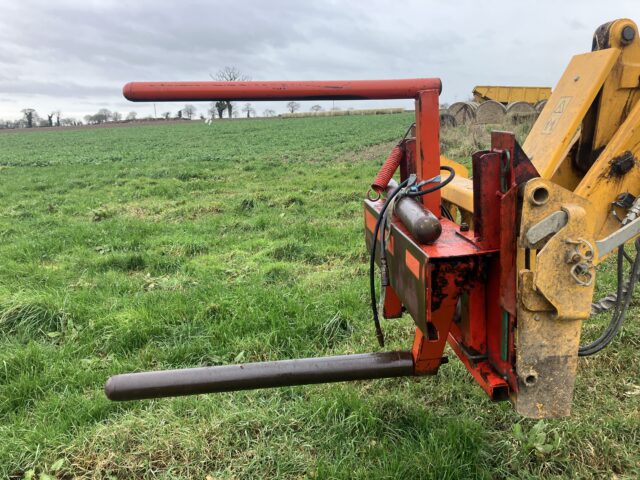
(185, 245)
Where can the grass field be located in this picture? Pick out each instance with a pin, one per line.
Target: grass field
(186, 245)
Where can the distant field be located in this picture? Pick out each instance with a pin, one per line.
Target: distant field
(167, 246)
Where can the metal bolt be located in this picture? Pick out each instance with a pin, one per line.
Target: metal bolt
(536, 317)
(464, 227)
(576, 78)
(628, 34)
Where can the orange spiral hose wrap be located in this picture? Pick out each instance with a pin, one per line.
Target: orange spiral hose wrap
(388, 168)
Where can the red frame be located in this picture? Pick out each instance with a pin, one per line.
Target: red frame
(482, 280)
(471, 271)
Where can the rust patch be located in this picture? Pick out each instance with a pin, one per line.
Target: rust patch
(463, 272)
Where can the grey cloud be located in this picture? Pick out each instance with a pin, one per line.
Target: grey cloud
(74, 54)
(57, 89)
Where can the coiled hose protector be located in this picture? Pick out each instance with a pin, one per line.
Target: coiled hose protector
(388, 168)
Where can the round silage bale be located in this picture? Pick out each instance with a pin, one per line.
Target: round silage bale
(463, 112)
(520, 107)
(521, 112)
(490, 112)
(446, 119)
(540, 105)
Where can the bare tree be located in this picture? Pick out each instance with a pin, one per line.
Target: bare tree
(103, 115)
(189, 110)
(230, 74)
(116, 116)
(316, 108)
(179, 114)
(232, 109)
(50, 119)
(221, 106)
(269, 113)
(57, 114)
(166, 115)
(293, 106)
(248, 109)
(29, 115)
(131, 115)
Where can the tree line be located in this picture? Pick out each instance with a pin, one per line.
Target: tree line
(217, 109)
(31, 119)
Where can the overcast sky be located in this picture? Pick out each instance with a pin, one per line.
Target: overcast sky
(75, 55)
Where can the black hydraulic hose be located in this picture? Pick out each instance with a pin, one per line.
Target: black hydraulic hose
(372, 262)
(599, 343)
(447, 181)
(446, 213)
(372, 259)
(622, 304)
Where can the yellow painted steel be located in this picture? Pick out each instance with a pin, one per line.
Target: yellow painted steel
(460, 193)
(602, 183)
(593, 110)
(507, 94)
(549, 140)
(620, 91)
(461, 170)
(553, 277)
(586, 147)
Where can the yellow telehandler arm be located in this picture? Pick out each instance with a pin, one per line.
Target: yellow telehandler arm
(585, 205)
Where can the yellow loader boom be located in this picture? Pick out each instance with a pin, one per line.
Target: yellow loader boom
(585, 146)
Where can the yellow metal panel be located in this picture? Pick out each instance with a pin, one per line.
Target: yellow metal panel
(551, 302)
(461, 170)
(507, 94)
(554, 262)
(566, 176)
(601, 184)
(546, 361)
(460, 193)
(620, 91)
(550, 138)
